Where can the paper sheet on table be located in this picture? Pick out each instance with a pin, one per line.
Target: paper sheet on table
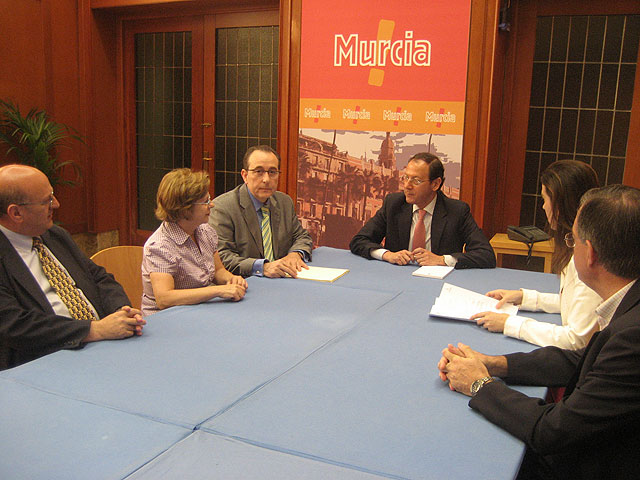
(322, 274)
(459, 303)
(433, 271)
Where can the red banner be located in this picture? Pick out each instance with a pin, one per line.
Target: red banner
(380, 80)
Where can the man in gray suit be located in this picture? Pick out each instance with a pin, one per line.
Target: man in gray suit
(258, 230)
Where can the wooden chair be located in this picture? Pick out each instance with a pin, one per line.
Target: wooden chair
(123, 263)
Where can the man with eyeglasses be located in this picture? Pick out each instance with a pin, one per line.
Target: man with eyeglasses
(52, 296)
(258, 230)
(423, 225)
(593, 432)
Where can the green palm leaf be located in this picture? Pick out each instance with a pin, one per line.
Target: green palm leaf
(34, 139)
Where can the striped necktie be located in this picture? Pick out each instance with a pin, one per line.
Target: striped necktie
(63, 284)
(266, 234)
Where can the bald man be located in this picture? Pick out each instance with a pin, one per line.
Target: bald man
(34, 319)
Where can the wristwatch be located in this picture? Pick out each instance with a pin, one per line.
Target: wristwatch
(478, 384)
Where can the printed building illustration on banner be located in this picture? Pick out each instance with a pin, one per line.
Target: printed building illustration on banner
(379, 82)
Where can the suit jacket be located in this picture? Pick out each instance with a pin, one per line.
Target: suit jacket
(452, 228)
(594, 431)
(239, 234)
(29, 328)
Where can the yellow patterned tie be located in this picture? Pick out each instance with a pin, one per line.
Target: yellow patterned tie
(63, 284)
(266, 234)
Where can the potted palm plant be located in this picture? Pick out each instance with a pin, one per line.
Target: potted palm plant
(34, 140)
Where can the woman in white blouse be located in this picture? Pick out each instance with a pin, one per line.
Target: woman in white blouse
(563, 184)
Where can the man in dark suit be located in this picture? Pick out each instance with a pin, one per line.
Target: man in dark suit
(423, 225)
(258, 230)
(593, 432)
(34, 318)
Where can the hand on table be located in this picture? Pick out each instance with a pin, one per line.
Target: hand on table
(123, 323)
(237, 280)
(425, 257)
(492, 321)
(506, 296)
(461, 366)
(402, 257)
(231, 291)
(289, 265)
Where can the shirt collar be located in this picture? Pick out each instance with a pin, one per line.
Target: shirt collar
(18, 241)
(175, 233)
(431, 206)
(257, 204)
(607, 308)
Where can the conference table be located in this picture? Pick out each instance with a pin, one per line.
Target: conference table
(300, 379)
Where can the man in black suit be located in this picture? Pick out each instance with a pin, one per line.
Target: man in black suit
(34, 319)
(423, 225)
(593, 432)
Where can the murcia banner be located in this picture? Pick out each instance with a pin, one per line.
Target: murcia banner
(380, 80)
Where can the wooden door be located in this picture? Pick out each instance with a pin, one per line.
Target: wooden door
(193, 100)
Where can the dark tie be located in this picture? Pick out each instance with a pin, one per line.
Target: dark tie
(266, 234)
(63, 284)
(419, 233)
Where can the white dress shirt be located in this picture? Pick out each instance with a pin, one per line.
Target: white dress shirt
(576, 304)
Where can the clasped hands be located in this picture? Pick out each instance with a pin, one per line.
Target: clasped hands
(122, 323)
(420, 255)
(461, 366)
(288, 265)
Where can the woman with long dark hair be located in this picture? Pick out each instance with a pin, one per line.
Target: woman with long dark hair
(563, 184)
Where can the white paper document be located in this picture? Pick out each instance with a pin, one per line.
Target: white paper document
(322, 274)
(433, 271)
(460, 303)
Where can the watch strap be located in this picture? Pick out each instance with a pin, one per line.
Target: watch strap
(478, 384)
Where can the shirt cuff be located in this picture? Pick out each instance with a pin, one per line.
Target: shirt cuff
(450, 260)
(529, 300)
(512, 326)
(305, 255)
(378, 253)
(258, 267)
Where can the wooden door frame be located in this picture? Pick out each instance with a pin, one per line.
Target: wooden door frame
(517, 86)
(195, 24)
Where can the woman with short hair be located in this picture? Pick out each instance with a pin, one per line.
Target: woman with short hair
(181, 265)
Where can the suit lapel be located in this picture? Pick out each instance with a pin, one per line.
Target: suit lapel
(251, 217)
(404, 225)
(274, 213)
(22, 276)
(629, 301)
(438, 223)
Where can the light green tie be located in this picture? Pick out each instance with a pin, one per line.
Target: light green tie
(266, 234)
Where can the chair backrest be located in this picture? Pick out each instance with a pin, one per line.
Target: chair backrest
(124, 264)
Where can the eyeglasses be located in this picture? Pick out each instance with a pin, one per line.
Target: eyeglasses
(569, 240)
(259, 172)
(413, 180)
(44, 202)
(209, 200)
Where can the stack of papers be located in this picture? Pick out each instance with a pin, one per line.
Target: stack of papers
(322, 274)
(433, 271)
(459, 303)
